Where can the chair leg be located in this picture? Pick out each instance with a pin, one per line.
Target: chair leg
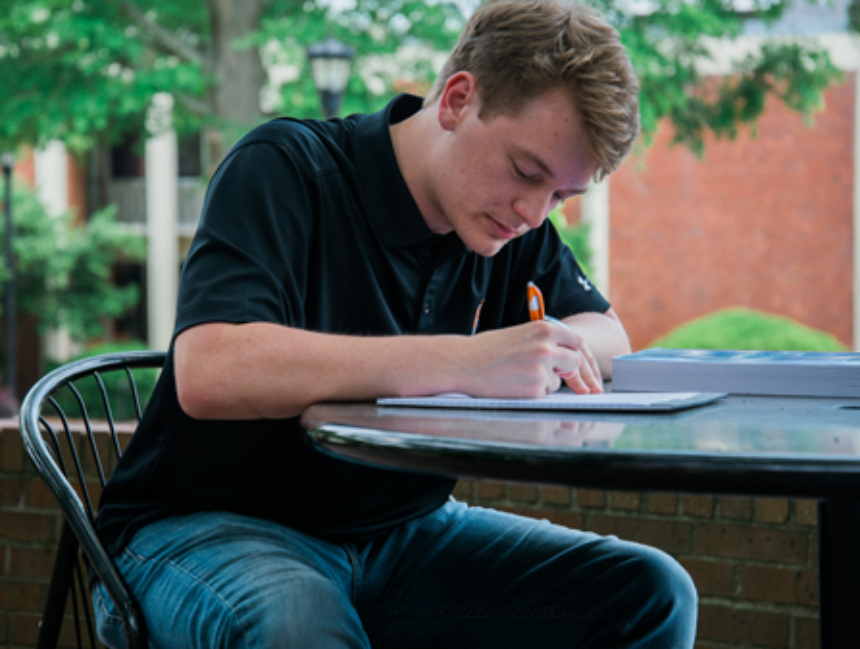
(86, 612)
(58, 592)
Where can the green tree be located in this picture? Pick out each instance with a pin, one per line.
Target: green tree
(669, 44)
(63, 271)
(84, 71)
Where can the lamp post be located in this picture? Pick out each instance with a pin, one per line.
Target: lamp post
(11, 334)
(330, 71)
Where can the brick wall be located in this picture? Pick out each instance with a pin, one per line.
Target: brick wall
(29, 530)
(754, 560)
(764, 221)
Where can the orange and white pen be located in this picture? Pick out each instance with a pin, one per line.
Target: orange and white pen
(537, 309)
(536, 306)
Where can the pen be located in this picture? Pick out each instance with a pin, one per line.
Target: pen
(536, 306)
(537, 310)
(477, 317)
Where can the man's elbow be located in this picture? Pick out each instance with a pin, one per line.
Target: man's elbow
(196, 399)
(623, 344)
(199, 381)
(621, 339)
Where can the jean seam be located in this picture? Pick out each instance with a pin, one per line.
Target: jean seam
(195, 579)
(352, 555)
(103, 607)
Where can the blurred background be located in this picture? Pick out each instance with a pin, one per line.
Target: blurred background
(734, 224)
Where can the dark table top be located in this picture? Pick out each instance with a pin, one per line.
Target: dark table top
(786, 446)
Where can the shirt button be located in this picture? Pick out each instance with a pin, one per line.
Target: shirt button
(428, 308)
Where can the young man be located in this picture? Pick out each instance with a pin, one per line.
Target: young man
(388, 254)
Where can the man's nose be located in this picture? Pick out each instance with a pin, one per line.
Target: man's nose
(531, 209)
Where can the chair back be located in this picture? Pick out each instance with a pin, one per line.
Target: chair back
(70, 425)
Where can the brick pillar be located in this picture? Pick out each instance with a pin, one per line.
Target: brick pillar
(856, 311)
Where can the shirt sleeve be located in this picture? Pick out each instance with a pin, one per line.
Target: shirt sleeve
(248, 261)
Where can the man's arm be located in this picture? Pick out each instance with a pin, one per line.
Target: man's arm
(263, 370)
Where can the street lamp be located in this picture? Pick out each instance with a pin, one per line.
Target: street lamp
(11, 342)
(330, 71)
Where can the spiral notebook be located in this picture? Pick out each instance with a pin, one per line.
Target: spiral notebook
(565, 400)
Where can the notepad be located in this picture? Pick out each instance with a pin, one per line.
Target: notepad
(565, 400)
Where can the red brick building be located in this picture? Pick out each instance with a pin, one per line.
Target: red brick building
(765, 221)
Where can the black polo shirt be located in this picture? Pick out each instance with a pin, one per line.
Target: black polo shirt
(310, 225)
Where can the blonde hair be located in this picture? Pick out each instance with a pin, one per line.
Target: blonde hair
(519, 49)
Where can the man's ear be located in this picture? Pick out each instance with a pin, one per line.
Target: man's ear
(459, 95)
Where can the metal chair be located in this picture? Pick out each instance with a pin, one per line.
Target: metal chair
(56, 401)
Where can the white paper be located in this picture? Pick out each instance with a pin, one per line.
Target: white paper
(562, 400)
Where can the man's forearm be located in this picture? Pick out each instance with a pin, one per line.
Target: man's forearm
(262, 370)
(267, 371)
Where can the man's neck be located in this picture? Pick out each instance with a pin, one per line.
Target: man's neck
(413, 141)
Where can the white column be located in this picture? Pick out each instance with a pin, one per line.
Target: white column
(595, 212)
(52, 187)
(52, 179)
(162, 268)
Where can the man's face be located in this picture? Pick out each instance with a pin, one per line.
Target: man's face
(500, 177)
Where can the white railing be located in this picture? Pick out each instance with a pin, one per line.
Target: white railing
(129, 195)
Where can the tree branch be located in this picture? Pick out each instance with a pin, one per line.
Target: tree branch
(164, 38)
(195, 105)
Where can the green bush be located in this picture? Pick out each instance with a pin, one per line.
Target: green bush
(63, 268)
(740, 328)
(116, 384)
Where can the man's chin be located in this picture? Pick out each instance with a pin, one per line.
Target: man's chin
(484, 243)
(488, 248)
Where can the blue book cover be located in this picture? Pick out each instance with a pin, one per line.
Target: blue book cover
(820, 359)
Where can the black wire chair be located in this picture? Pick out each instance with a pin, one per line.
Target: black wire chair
(53, 412)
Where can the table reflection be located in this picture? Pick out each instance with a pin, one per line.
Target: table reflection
(737, 425)
(533, 428)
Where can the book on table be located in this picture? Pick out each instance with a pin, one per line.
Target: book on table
(771, 373)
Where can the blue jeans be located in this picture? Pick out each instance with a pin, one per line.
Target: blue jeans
(457, 577)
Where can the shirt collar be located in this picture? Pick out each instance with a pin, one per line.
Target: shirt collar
(393, 211)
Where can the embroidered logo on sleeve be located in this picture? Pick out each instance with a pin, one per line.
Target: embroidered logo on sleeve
(583, 281)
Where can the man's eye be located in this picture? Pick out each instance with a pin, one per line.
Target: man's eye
(521, 174)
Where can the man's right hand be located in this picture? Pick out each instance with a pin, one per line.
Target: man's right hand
(527, 361)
